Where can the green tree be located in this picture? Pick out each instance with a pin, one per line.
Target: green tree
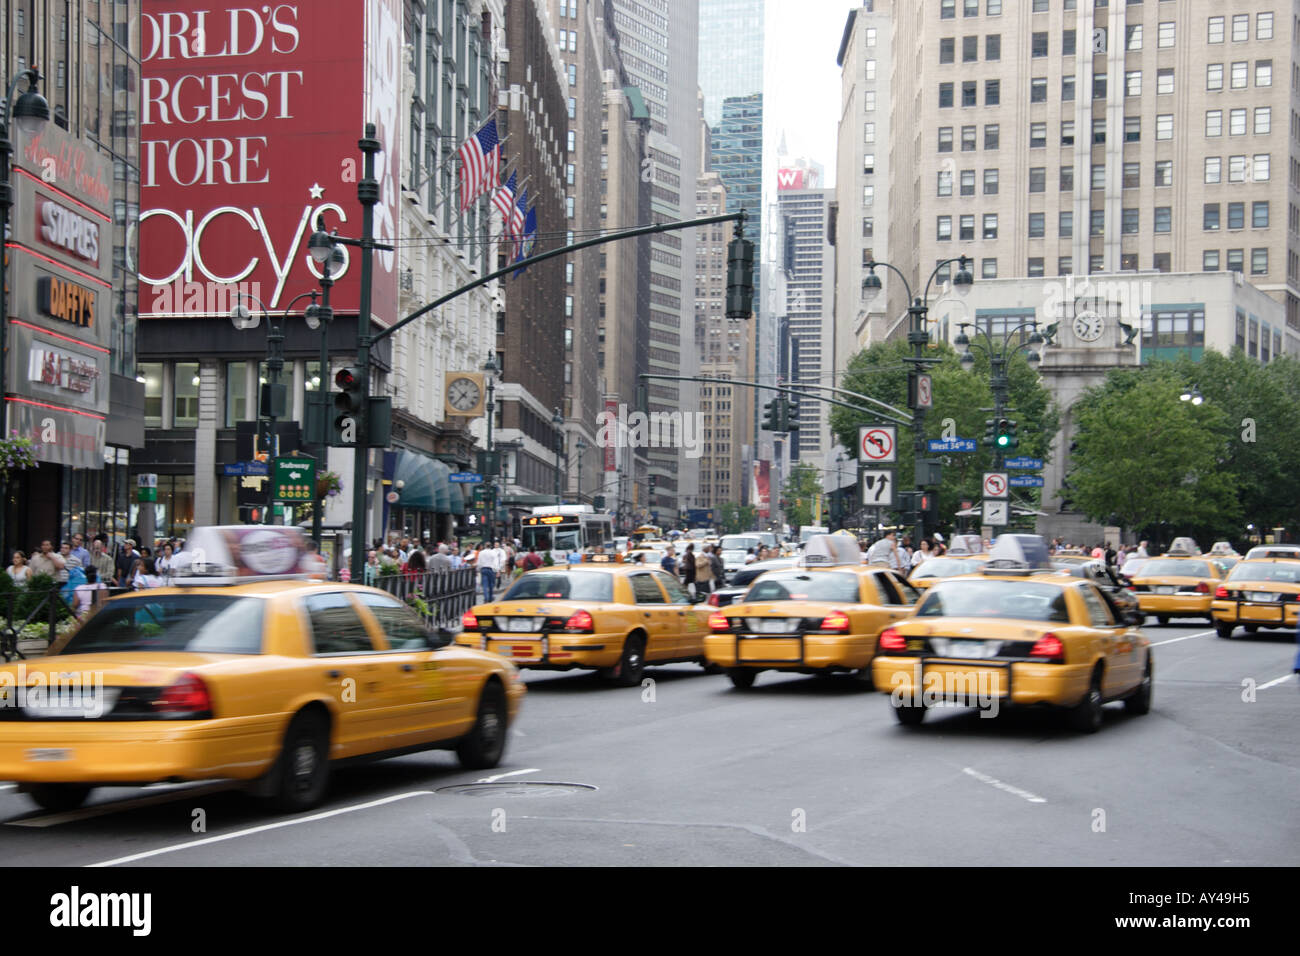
(733, 518)
(1144, 459)
(881, 373)
(800, 488)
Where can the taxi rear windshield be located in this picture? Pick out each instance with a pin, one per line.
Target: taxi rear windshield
(1019, 600)
(1185, 569)
(563, 586)
(785, 586)
(946, 567)
(196, 623)
(1288, 573)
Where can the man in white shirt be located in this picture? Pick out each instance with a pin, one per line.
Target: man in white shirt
(490, 562)
(884, 551)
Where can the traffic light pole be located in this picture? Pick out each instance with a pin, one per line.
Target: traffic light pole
(368, 195)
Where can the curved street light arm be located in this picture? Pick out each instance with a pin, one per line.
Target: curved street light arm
(898, 272)
(959, 259)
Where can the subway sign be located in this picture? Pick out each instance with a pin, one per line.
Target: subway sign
(60, 299)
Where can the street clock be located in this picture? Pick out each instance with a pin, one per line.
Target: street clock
(465, 393)
(1088, 326)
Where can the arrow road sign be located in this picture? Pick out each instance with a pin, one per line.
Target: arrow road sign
(995, 512)
(1026, 481)
(878, 444)
(878, 487)
(995, 484)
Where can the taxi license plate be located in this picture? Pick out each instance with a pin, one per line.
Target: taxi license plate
(1166, 590)
(776, 625)
(521, 624)
(1266, 596)
(49, 753)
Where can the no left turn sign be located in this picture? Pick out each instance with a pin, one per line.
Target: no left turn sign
(995, 484)
(878, 443)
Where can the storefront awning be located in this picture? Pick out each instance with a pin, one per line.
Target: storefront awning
(424, 482)
(458, 498)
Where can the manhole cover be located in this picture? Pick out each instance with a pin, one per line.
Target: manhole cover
(518, 789)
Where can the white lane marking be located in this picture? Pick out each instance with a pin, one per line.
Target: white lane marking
(8, 786)
(1274, 683)
(513, 773)
(994, 782)
(1188, 637)
(262, 829)
(116, 806)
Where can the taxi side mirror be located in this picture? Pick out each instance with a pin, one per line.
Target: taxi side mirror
(440, 637)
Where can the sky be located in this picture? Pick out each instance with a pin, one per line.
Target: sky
(801, 81)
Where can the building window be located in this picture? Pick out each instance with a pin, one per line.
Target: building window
(568, 273)
(991, 137)
(1037, 179)
(1165, 34)
(1133, 83)
(1237, 122)
(1133, 37)
(1068, 43)
(236, 393)
(968, 142)
(1067, 132)
(989, 269)
(1038, 89)
(1213, 169)
(970, 49)
(1259, 262)
(1263, 120)
(947, 49)
(868, 133)
(968, 182)
(943, 230)
(1037, 135)
(1098, 131)
(1164, 81)
(945, 139)
(990, 182)
(1098, 175)
(1038, 44)
(185, 406)
(1163, 218)
(1132, 175)
(1067, 179)
(1236, 215)
(1129, 222)
(994, 8)
(1214, 33)
(970, 8)
(945, 95)
(1214, 77)
(1236, 169)
(992, 92)
(1067, 89)
(966, 228)
(947, 9)
(1164, 172)
(1214, 122)
(1128, 262)
(1263, 26)
(1263, 72)
(152, 373)
(1065, 265)
(1132, 129)
(1169, 329)
(1040, 6)
(1035, 267)
(1210, 260)
(990, 225)
(1097, 222)
(1099, 86)
(1261, 173)
(993, 46)
(945, 183)
(1165, 126)
(869, 193)
(572, 140)
(568, 305)
(1160, 262)
(568, 206)
(1259, 215)
(1240, 27)
(1236, 260)
(868, 163)
(1037, 225)
(969, 93)
(1239, 76)
(1096, 263)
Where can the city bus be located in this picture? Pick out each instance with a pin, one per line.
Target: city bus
(647, 532)
(564, 528)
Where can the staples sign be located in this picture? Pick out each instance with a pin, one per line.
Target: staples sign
(69, 232)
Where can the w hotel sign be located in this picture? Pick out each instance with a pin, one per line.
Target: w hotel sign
(60, 288)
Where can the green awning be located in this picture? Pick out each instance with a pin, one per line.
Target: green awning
(424, 486)
(457, 498)
(442, 487)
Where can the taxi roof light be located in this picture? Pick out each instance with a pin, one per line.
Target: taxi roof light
(719, 622)
(579, 620)
(1183, 548)
(830, 550)
(1018, 552)
(891, 640)
(836, 621)
(1049, 645)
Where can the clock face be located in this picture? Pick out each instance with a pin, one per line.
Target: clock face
(1088, 326)
(463, 394)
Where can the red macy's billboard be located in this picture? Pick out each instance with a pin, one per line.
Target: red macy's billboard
(249, 120)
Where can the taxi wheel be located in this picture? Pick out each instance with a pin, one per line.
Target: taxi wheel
(1139, 702)
(1163, 619)
(742, 677)
(909, 715)
(1252, 628)
(863, 677)
(1224, 630)
(1085, 717)
(59, 797)
(631, 666)
(483, 748)
(304, 768)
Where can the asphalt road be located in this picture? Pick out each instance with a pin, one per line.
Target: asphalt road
(799, 770)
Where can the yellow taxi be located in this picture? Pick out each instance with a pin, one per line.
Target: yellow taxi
(925, 574)
(820, 618)
(1259, 592)
(1179, 583)
(603, 613)
(1008, 636)
(247, 671)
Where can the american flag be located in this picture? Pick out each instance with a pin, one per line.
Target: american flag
(480, 160)
(503, 198)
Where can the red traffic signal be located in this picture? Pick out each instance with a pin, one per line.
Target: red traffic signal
(345, 378)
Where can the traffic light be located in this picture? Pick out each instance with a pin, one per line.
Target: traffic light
(772, 415)
(653, 482)
(790, 417)
(349, 406)
(1002, 434)
(252, 514)
(990, 432)
(740, 278)
(1012, 440)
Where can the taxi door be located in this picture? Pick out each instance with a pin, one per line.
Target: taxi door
(692, 625)
(358, 674)
(897, 597)
(654, 615)
(1123, 663)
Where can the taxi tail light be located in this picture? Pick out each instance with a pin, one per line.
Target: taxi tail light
(719, 622)
(469, 621)
(712, 600)
(1202, 588)
(1220, 592)
(188, 696)
(1049, 646)
(835, 621)
(891, 640)
(580, 621)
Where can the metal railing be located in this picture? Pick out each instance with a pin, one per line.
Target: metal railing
(446, 595)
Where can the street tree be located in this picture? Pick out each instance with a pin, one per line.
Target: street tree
(801, 488)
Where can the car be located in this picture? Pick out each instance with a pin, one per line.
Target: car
(1257, 593)
(821, 618)
(1112, 581)
(734, 549)
(742, 579)
(244, 670)
(1291, 551)
(1179, 583)
(1015, 636)
(610, 616)
(934, 569)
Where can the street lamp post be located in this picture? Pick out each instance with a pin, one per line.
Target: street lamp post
(919, 338)
(557, 420)
(582, 447)
(999, 356)
(491, 368)
(30, 115)
(330, 258)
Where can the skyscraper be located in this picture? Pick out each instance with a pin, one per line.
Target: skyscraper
(731, 52)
